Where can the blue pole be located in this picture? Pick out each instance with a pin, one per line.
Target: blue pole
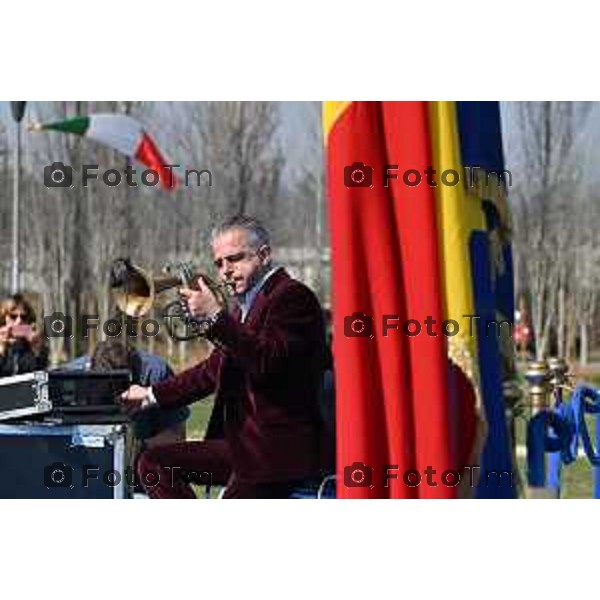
(555, 458)
(554, 472)
(536, 458)
(597, 469)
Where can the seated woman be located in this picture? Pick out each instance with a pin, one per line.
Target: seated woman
(22, 347)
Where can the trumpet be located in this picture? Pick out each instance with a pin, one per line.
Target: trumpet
(136, 292)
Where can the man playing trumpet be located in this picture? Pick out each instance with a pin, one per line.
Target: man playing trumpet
(266, 371)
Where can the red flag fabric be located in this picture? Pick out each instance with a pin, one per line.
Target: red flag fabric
(391, 375)
(148, 154)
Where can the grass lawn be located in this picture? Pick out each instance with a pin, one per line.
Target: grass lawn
(577, 478)
(196, 428)
(198, 421)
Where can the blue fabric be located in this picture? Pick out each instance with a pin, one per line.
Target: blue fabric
(154, 368)
(550, 431)
(503, 284)
(585, 400)
(81, 363)
(496, 455)
(597, 469)
(558, 431)
(480, 135)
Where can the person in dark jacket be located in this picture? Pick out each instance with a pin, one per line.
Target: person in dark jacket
(22, 348)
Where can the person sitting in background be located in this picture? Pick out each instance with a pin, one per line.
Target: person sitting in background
(22, 349)
(155, 426)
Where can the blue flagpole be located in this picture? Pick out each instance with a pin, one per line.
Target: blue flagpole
(538, 377)
(596, 470)
(554, 463)
(536, 455)
(554, 472)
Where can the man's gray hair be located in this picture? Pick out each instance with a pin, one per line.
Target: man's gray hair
(257, 234)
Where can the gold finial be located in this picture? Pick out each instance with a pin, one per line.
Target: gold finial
(539, 378)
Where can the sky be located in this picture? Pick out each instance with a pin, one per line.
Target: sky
(298, 131)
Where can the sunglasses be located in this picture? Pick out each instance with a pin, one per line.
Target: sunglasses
(233, 258)
(14, 316)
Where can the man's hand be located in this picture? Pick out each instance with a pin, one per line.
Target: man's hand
(134, 398)
(201, 302)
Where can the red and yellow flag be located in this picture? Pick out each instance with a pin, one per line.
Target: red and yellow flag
(406, 414)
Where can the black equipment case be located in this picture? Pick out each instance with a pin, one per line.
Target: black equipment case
(24, 395)
(64, 435)
(45, 460)
(63, 395)
(87, 394)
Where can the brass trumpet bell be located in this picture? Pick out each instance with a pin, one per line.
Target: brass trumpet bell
(136, 289)
(137, 292)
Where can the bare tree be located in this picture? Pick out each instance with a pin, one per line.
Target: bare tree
(239, 143)
(548, 178)
(585, 274)
(301, 219)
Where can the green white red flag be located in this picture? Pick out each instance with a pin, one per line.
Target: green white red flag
(121, 133)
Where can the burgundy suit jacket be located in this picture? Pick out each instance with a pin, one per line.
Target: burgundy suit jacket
(267, 375)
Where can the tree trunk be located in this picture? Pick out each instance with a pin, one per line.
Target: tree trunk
(583, 350)
(561, 324)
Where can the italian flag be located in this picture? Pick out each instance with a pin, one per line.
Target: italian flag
(121, 133)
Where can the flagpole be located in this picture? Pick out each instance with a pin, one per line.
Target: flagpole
(126, 108)
(18, 110)
(15, 212)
